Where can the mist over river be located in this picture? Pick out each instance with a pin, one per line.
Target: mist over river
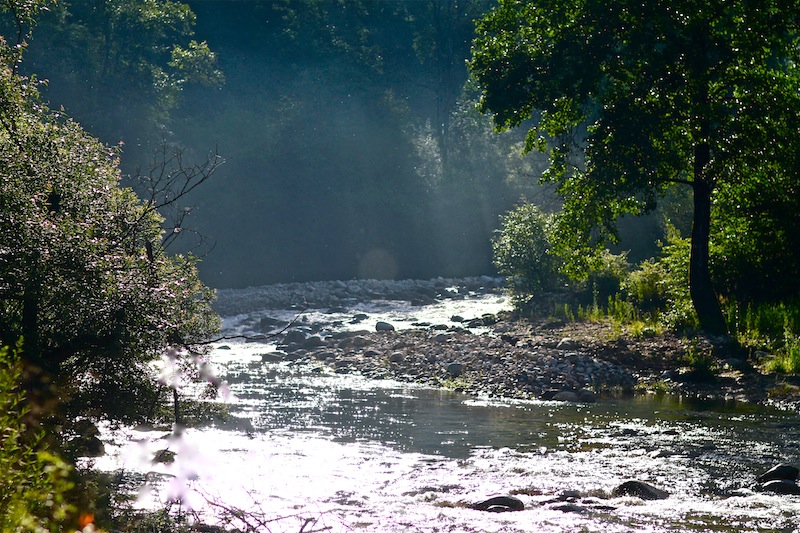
(311, 449)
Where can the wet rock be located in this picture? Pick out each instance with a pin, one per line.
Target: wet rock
(383, 326)
(294, 336)
(781, 486)
(569, 495)
(779, 472)
(549, 394)
(457, 318)
(361, 341)
(314, 341)
(499, 504)
(570, 508)
(273, 357)
(565, 396)
(164, 457)
(324, 355)
(586, 396)
(641, 490)
(397, 357)
(440, 337)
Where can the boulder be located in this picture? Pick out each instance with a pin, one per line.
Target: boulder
(566, 396)
(641, 490)
(781, 486)
(455, 369)
(587, 396)
(314, 341)
(779, 472)
(499, 504)
(294, 336)
(383, 326)
(397, 357)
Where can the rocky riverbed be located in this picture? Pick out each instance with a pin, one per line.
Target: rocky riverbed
(497, 354)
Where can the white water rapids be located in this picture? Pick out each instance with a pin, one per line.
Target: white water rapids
(336, 452)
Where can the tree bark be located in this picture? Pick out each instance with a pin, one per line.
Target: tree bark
(701, 288)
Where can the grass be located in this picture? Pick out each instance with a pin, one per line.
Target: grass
(625, 317)
(771, 329)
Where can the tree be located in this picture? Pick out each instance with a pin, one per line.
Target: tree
(630, 97)
(121, 67)
(85, 281)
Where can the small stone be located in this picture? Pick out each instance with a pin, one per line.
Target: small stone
(566, 344)
(570, 508)
(397, 357)
(272, 357)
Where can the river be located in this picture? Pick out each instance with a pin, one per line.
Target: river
(316, 450)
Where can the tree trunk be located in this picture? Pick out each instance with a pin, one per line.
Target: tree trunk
(701, 288)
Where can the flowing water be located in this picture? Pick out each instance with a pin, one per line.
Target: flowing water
(325, 451)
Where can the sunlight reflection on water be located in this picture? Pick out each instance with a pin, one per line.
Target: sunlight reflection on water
(363, 455)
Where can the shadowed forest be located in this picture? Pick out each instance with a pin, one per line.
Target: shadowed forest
(351, 141)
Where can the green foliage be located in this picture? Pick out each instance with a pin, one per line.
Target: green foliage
(85, 278)
(606, 274)
(701, 363)
(646, 286)
(121, 62)
(631, 97)
(522, 251)
(668, 282)
(770, 328)
(34, 483)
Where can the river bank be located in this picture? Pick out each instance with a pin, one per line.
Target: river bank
(496, 354)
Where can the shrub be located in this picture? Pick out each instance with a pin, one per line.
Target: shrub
(33, 482)
(606, 275)
(521, 249)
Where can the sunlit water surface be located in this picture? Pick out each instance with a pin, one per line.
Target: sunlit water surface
(349, 454)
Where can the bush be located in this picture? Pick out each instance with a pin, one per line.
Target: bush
(663, 285)
(33, 482)
(521, 250)
(606, 275)
(645, 286)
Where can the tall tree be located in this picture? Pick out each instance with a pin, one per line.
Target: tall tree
(630, 97)
(85, 281)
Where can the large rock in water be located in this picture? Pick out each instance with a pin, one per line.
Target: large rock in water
(781, 486)
(641, 490)
(499, 504)
(384, 326)
(782, 471)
